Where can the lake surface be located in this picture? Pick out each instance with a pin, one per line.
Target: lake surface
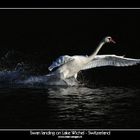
(70, 107)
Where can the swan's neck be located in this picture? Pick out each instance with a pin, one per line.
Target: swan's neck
(92, 56)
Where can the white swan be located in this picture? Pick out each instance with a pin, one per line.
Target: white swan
(69, 66)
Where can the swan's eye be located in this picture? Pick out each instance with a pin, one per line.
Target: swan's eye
(109, 38)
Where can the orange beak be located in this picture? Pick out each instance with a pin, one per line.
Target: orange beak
(111, 40)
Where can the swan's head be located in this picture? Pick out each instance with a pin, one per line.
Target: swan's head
(108, 39)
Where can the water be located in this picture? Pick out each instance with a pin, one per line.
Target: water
(42, 101)
(47, 107)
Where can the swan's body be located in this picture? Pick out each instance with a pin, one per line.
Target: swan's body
(69, 66)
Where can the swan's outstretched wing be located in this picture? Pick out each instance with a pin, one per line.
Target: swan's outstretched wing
(111, 60)
(60, 61)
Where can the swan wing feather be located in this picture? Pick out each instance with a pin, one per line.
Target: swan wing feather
(111, 60)
(60, 61)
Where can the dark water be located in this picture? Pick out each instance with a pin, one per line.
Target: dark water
(27, 102)
(70, 107)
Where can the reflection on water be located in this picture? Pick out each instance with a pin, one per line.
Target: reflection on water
(70, 107)
(26, 101)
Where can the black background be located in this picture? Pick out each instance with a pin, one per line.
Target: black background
(68, 3)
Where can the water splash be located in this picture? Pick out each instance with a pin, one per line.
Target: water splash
(19, 77)
(13, 71)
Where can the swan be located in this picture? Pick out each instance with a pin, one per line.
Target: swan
(69, 66)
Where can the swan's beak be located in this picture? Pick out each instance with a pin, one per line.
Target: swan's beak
(111, 40)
